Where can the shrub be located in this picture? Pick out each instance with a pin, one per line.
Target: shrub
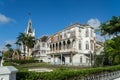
(65, 74)
(24, 61)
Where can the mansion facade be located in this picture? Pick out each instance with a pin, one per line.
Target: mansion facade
(74, 45)
(41, 50)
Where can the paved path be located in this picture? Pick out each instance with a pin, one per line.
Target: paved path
(41, 70)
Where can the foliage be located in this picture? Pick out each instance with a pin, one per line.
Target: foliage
(25, 40)
(64, 74)
(112, 45)
(61, 73)
(117, 59)
(111, 27)
(23, 61)
(8, 45)
(8, 54)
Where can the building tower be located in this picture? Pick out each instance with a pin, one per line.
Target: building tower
(30, 32)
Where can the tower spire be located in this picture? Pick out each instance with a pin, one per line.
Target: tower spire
(29, 29)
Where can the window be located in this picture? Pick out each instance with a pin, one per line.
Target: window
(87, 32)
(47, 45)
(87, 61)
(61, 36)
(43, 44)
(91, 45)
(38, 46)
(80, 59)
(80, 45)
(56, 38)
(91, 33)
(87, 45)
(65, 35)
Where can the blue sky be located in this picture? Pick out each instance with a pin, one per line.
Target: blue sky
(50, 16)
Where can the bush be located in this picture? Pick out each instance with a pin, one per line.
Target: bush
(24, 61)
(65, 74)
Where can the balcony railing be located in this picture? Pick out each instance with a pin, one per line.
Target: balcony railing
(63, 51)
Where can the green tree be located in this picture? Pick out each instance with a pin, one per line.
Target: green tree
(22, 38)
(8, 46)
(111, 46)
(9, 52)
(30, 43)
(18, 44)
(117, 59)
(27, 41)
(111, 27)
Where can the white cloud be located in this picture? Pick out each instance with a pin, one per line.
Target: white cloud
(94, 22)
(4, 19)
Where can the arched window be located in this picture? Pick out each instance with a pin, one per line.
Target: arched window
(87, 45)
(79, 45)
(68, 44)
(53, 47)
(87, 32)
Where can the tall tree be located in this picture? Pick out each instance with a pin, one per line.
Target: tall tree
(22, 38)
(10, 51)
(30, 44)
(111, 27)
(8, 46)
(27, 41)
(18, 44)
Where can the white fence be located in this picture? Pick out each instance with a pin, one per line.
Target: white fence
(103, 76)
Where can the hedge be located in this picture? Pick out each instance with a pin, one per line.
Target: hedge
(65, 74)
(22, 61)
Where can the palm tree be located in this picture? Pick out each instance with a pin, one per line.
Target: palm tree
(8, 46)
(22, 38)
(27, 41)
(18, 44)
(10, 50)
(30, 43)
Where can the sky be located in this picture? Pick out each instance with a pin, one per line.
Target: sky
(51, 16)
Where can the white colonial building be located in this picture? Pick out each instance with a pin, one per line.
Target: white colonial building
(41, 50)
(74, 45)
(30, 32)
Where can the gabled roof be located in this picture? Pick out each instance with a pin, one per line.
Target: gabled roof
(44, 38)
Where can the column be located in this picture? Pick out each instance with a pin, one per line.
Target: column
(53, 59)
(65, 44)
(72, 58)
(71, 43)
(61, 58)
